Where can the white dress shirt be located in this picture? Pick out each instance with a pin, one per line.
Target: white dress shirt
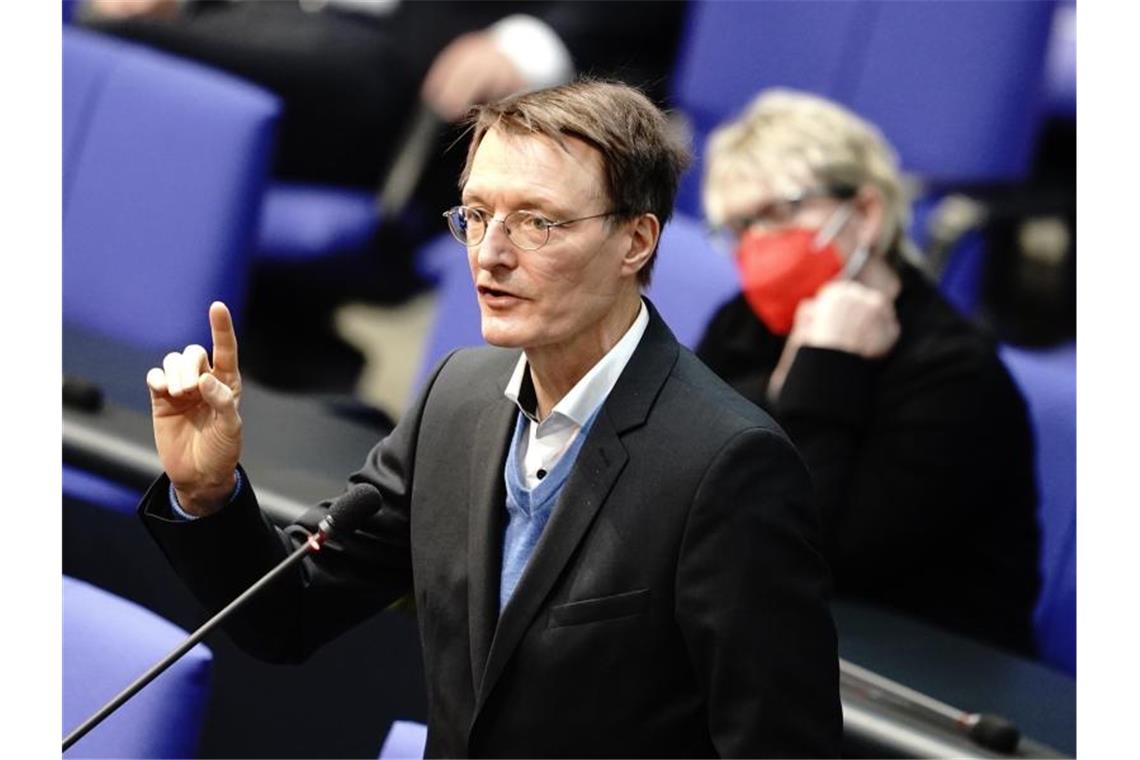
(548, 439)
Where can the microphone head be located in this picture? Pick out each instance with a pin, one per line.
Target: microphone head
(996, 733)
(351, 510)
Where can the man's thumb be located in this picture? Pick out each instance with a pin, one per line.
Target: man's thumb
(217, 394)
(221, 399)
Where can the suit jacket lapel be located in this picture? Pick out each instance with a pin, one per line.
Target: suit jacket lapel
(485, 526)
(600, 462)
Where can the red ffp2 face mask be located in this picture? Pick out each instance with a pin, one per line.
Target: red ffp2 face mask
(780, 269)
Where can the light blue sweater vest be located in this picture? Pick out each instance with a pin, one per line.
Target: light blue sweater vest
(529, 510)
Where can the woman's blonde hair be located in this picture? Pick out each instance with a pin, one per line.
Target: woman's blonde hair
(792, 141)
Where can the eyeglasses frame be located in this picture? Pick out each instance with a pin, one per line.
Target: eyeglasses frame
(735, 231)
(487, 225)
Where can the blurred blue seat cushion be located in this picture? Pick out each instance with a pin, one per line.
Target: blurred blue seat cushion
(108, 642)
(1048, 379)
(165, 167)
(406, 740)
(98, 491)
(303, 221)
(1061, 68)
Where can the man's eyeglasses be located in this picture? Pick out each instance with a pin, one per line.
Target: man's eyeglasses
(526, 229)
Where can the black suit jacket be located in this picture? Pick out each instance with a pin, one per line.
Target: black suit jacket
(674, 606)
(922, 462)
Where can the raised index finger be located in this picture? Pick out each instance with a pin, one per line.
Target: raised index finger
(225, 358)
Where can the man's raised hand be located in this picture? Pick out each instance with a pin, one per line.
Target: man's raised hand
(194, 409)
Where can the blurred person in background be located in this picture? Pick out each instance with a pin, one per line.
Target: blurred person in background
(351, 72)
(914, 433)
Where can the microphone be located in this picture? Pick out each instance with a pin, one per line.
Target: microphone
(986, 730)
(351, 510)
(345, 515)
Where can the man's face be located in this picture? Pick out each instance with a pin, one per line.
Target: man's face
(559, 296)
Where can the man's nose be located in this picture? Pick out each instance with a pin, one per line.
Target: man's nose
(496, 248)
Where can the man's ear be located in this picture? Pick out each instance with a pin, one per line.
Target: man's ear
(644, 231)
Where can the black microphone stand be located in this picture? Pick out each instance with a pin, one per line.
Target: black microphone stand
(313, 544)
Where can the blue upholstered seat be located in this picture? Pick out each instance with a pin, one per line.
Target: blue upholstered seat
(108, 642)
(405, 741)
(1048, 379)
(165, 165)
(301, 221)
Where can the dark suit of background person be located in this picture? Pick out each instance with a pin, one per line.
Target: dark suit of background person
(675, 605)
(922, 462)
(350, 79)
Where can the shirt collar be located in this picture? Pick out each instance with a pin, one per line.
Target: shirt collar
(589, 392)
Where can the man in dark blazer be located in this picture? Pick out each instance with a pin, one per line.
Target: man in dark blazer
(611, 552)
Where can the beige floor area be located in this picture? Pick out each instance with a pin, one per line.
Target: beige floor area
(393, 341)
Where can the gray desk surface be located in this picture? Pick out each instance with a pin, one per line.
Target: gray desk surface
(961, 672)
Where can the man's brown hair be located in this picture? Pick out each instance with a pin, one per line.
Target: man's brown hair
(642, 157)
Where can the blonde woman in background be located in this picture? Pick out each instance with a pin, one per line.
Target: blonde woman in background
(913, 431)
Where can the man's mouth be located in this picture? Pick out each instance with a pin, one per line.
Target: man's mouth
(489, 292)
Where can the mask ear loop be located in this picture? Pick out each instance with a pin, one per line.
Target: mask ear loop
(858, 259)
(833, 226)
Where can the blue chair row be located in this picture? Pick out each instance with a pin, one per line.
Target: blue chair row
(1048, 380)
(164, 168)
(107, 643)
(1061, 64)
(953, 86)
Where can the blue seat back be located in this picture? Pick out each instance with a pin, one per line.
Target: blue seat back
(1061, 63)
(406, 740)
(300, 222)
(731, 51)
(107, 643)
(86, 64)
(97, 491)
(456, 321)
(165, 167)
(691, 279)
(955, 87)
(1048, 381)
